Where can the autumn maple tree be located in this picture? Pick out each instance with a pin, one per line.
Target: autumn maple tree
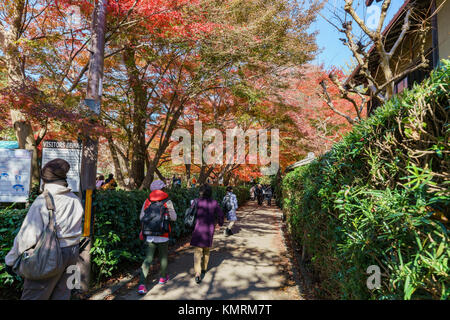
(163, 59)
(160, 77)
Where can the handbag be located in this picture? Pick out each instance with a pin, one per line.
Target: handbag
(43, 260)
(190, 216)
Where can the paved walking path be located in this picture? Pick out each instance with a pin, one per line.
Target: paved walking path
(251, 264)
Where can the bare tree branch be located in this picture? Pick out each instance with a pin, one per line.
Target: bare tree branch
(330, 103)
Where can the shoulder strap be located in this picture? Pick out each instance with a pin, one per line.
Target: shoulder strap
(51, 209)
(164, 201)
(48, 201)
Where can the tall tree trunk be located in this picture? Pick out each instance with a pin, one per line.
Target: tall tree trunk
(226, 179)
(162, 148)
(205, 173)
(117, 167)
(137, 173)
(139, 147)
(188, 173)
(160, 176)
(201, 176)
(16, 79)
(388, 75)
(25, 137)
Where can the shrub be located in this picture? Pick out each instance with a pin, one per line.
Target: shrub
(116, 230)
(380, 197)
(10, 222)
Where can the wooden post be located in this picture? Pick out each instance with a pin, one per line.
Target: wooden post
(434, 34)
(90, 144)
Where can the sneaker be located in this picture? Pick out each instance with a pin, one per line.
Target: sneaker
(198, 279)
(229, 232)
(142, 289)
(163, 280)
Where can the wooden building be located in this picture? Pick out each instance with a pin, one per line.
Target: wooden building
(437, 45)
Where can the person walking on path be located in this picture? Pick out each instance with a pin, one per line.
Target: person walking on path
(259, 194)
(110, 183)
(202, 236)
(68, 215)
(176, 181)
(269, 194)
(100, 182)
(231, 205)
(158, 200)
(252, 193)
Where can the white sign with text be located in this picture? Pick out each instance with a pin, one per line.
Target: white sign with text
(15, 175)
(69, 151)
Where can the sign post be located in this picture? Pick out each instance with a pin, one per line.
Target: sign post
(69, 151)
(15, 175)
(90, 144)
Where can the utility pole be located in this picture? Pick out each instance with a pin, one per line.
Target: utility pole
(90, 144)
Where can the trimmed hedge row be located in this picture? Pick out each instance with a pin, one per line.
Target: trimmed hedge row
(10, 222)
(116, 230)
(380, 197)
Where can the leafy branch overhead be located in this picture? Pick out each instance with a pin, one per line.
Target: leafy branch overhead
(162, 58)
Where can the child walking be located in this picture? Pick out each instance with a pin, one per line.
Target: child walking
(231, 205)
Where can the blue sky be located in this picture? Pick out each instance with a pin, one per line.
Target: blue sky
(333, 51)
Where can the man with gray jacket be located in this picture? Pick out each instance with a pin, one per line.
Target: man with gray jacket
(68, 215)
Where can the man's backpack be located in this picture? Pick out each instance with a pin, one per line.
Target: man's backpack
(44, 260)
(110, 185)
(156, 219)
(226, 203)
(190, 215)
(258, 191)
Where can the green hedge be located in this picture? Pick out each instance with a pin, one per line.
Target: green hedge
(380, 197)
(116, 230)
(10, 222)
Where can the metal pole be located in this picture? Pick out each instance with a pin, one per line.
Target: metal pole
(90, 144)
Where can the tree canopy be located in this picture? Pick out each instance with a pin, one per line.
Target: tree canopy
(226, 63)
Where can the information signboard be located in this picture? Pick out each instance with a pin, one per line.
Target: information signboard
(9, 144)
(15, 175)
(69, 151)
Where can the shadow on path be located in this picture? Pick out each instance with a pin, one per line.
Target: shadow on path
(250, 264)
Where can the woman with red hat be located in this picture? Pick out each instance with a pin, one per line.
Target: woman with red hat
(155, 240)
